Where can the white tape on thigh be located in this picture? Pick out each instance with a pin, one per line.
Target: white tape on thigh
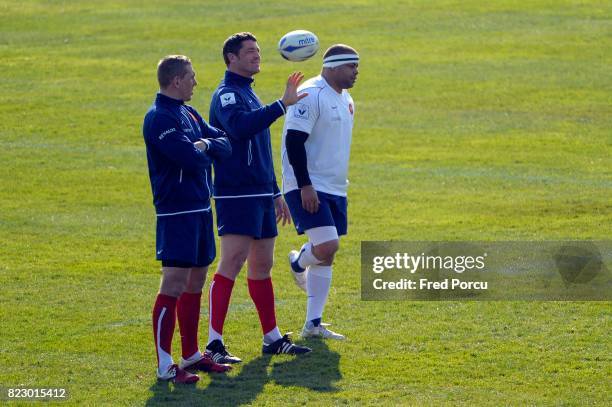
(322, 234)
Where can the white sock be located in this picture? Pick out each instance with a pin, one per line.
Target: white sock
(212, 334)
(307, 258)
(165, 361)
(318, 281)
(195, 356)
(272, 336)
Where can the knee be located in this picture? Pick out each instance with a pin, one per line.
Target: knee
(232, 264)
(326, 251)
(196, 280)
(173, 287)
(261, 267)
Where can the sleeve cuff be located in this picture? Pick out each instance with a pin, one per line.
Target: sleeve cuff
(303, 182)
(207, 142)
(282, 106)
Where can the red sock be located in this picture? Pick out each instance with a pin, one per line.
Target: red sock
(262, 293)
(188, 314)
(219, 298)
(164, 321)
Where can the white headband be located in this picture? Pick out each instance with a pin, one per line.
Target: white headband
(337, 60)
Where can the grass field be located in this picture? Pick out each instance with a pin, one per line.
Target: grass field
(475, 120)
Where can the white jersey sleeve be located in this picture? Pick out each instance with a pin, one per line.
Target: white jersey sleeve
(304, 114)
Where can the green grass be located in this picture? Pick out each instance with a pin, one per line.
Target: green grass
(475, 121)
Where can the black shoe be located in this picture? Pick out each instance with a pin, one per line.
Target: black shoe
(219, 354)
(284, 345)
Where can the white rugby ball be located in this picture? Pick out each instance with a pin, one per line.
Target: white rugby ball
(298, 45)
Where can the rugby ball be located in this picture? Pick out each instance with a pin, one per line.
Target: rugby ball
(298, 45)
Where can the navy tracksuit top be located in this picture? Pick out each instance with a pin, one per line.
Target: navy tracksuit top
(179, 172)
(237, 110)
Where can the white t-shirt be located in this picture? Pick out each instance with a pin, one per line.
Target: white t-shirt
(327, 117)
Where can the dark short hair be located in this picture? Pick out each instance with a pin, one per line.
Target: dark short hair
(233, 44)
(338, 49)
(170, 67)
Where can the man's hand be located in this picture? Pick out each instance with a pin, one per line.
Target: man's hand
(291, 97)
(282, 211)
(201, 145)
(310, 199)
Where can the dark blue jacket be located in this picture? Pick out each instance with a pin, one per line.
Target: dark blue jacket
(237, 110)
(179, 172)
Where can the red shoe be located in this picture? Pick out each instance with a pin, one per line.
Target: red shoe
(177, 375)
(204, 364)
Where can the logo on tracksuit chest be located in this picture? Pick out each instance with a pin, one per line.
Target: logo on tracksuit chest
(254, 103)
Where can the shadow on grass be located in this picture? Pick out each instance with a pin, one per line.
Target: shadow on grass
(238, 390)
(222, 390)
(166, 394)
(317, 371)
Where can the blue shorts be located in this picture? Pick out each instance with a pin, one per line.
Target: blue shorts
(332, 212)
(186, 239)
(253, 217)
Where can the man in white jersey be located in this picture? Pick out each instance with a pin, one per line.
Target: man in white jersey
(315, 154)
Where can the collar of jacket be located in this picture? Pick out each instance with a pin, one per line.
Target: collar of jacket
(231, 77)
(168, 100)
